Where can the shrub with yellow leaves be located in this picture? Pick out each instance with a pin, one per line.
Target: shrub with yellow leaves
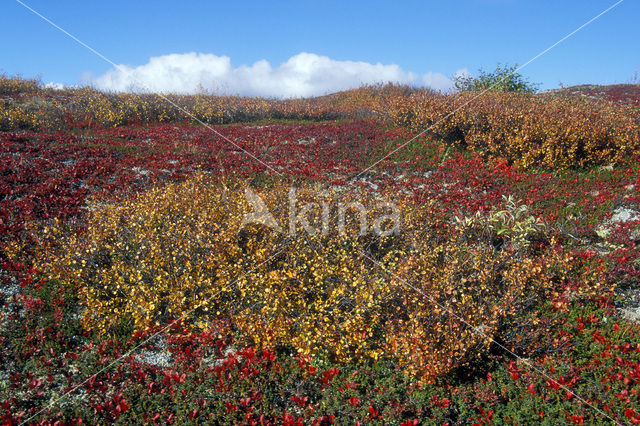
(432, 295)
(531, 130)
(16, 85)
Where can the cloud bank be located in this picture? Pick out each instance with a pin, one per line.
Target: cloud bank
(302, 75)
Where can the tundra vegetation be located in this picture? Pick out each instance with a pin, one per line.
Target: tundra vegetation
(132, 291)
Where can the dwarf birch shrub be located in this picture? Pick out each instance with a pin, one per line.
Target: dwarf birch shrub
(432, 295)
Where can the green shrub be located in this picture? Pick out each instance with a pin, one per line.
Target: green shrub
(503, 79)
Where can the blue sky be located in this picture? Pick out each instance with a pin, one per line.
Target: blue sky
(420, 37)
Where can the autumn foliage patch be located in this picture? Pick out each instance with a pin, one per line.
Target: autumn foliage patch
(419, 296)
(552, 132)
(131, 291)
(548, 130)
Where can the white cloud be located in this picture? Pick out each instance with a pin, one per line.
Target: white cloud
(305, 74)
(55, 86)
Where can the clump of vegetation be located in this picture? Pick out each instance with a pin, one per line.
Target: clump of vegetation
(182, 250)
(17, 85)
(549, 132)
(502, 79)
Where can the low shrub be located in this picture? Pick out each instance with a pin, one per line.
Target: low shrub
(17, 85)
(182, 252)
(529, 130)
(503, 79)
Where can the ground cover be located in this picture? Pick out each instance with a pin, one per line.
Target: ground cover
(110, 235)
